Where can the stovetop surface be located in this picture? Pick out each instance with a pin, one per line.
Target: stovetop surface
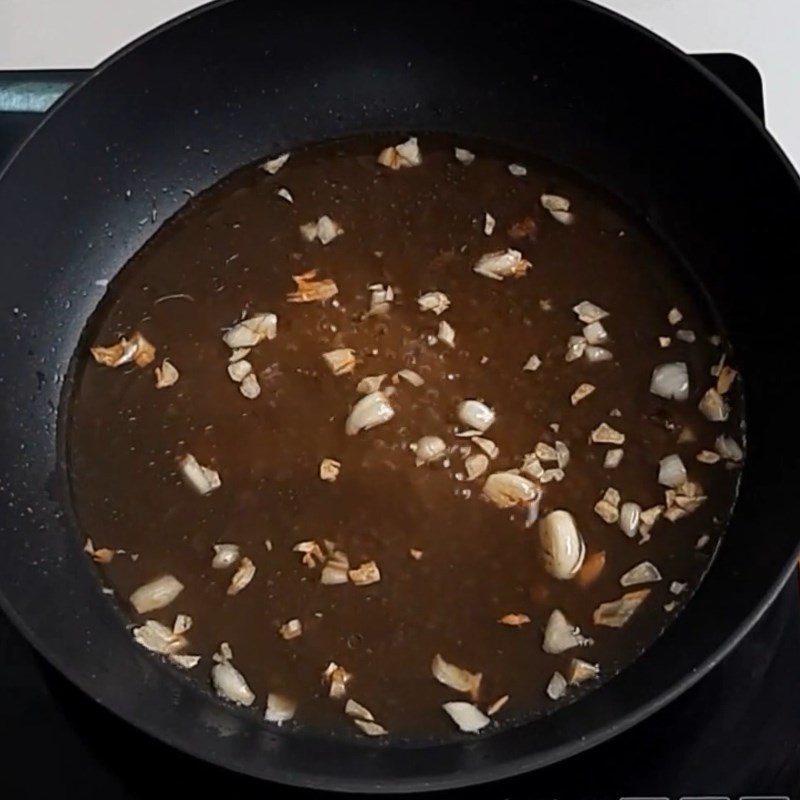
(735, 734)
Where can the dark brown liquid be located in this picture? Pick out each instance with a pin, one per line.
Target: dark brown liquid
(235, 249)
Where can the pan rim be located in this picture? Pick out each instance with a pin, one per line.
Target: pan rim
(486, 773)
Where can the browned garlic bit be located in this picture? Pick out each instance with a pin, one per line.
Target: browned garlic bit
(406, 154)
(291, 629)
(464, 156)
(508, 489)
(252, 331)
(366, 574)
(310, 290)
(156, 594)
(279, 709)
(337, 679)
(714, 407)
(311, 551)
(514, 620)
(671, 381)
(475, 415)
(329, 469)
(563, 548)
(502, 264)
(136, 349)
(645, 572)
(380, 300)
(166, 375)
(558, 207)
(560, 635)
(725, 379)
(225, 556)
(517, 170)
(242, 577)
(438, 302)
(607, 508)
(605, 434)
(340, 361)
(202, 479)
(371, 410)
(456, 678)
(324, 229)
(617, 612)
(274, 164)
(468, 717)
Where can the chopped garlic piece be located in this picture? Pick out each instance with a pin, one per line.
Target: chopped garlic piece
(487, 445)
(324, 229)
(166, 375)
(616, 613)
(329, 469)
(285, 194)
(455, 677)
(561, 635)
(446, 334)
(506, 490)
(605, 434)
(464, 156)
(310, 290)
(239, 370)
(370, 728)
(581, 392)
(488, 224)
(438, 302)
(291, 629)
(366, 574)
(557, 686)
(242, 577)
(645, 572)
(409, 376)
(337, 679)
(475, 415)
(674, 316)
(355, 709)
(613, 458)
(225, 555)
(159, 638)
(252, 331)
(371, 410)
(156, 594)
(468, 717)
(497, 705)
(274, 164)
(589, 312)
(532, 364)
(517, 170)
(340, 361)
(229, 683)
(280, 709)
(502, 264)
(250, 387)
(370, 383)
(514, 620)
(714, 407)
(402, 155)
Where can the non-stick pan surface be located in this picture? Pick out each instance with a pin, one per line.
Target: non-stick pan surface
(234, 81)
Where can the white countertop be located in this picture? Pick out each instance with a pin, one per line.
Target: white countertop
(36, 34)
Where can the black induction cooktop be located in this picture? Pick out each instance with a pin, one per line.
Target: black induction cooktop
(736, 734)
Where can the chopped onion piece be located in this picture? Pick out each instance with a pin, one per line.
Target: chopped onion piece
(468, 717)
(671, 471)
(310, 290)
(502, 264)
(617, 612)
(670, 381)
(456, 678)
(337, 678)
(280, 709)
(371, 410)
(156, 594)
(576, 347)
(225, 555)
(285, 194)
(645, 572)
(475, 415)
(685, 336)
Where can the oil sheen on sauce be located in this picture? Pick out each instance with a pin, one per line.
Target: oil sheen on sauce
(232, 252)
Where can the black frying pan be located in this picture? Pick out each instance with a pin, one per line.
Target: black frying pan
(227, 84)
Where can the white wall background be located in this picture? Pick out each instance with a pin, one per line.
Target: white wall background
(80, 33)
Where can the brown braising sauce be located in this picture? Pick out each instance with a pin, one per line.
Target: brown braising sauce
(450, 562)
